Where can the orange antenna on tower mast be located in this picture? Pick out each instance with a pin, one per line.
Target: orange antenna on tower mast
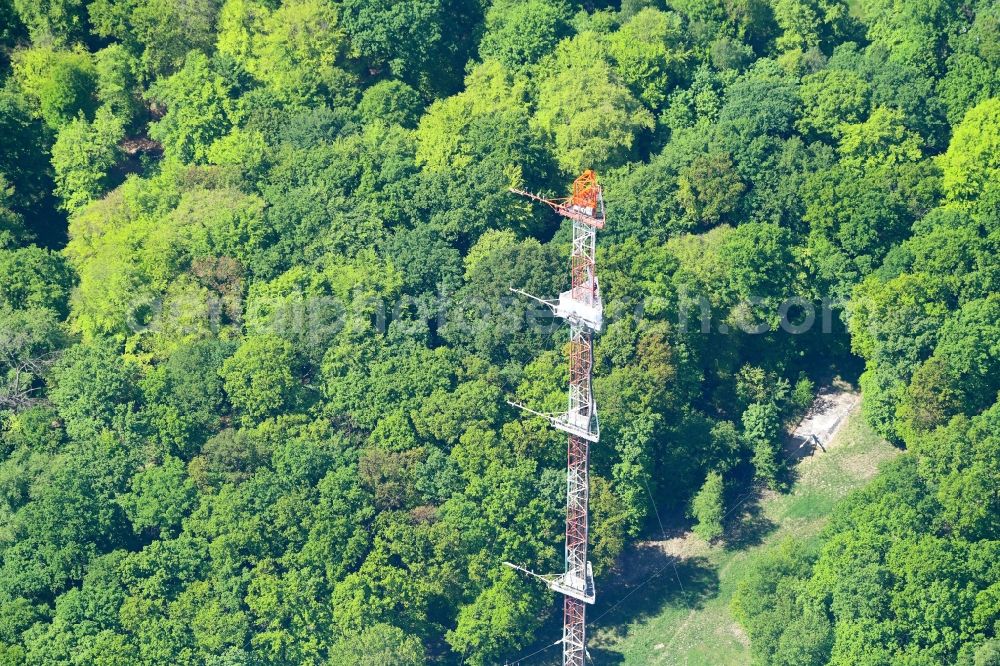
(585, 205)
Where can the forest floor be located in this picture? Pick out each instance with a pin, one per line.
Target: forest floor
(668, 600)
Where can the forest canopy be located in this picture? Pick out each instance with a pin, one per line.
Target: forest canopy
(257, 338)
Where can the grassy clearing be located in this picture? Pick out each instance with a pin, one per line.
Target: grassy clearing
(670, 602)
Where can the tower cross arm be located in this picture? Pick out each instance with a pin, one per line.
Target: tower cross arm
(551, 305)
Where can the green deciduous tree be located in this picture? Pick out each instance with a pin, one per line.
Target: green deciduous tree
(157, 34)
(973, 64)
(786, 626)
(832, 98)
(83, 156)
(160, 497)
(377, 645)
(708, 508)
(592, 118)
(810, 25)
(519, 34)
(412, 40)
(709, 188)
(650, 55)
(761, 434)
(298, 50)
(972, 163)
(60, 83)
(197, 101)
(496, 622)
(260, 377)
(93, 389)
(31, 277)
(117, 84)
(881, 141)
(30, 338)
(59, 21)
(25, 172)
(389, 102)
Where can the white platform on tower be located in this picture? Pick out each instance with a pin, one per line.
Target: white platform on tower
(567, 583)
(579, 313)
(579, 425)
(574, 586)
(573, 310)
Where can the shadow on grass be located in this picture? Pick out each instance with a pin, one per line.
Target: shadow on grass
(599, 655)
(646, 582)
(748, 527)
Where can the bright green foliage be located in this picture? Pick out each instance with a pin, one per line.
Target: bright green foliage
(488, 90)
(117, 87)
(833, 98)
(157, 34)
(811, 25)
(169, 234)
(650, 55)
(31, 277)
(708, 508)
(59, 83)
(761, 435)
(297, 52)
(82, 156)
(786, 629)
(390, 102)
(245, 152)
(591, 117)
(879, 555)
(971, 166)
(58, 21)
(259, 378)
(973, 74)
(609, 526)
(377, 645)
(519, 34)
(93, 389)
(880, 141)
(491, 624)
(914, 33)
(476, 144)
(160, 497)
(239, 25)
(197, 110)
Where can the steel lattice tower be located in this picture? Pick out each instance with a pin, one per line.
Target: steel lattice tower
(582, 308)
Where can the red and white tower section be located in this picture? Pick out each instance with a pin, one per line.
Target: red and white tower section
(583, 310)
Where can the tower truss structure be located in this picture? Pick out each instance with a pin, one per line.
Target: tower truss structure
(582, 308)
